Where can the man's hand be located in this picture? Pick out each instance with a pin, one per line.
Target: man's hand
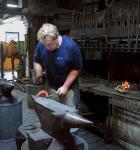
(38, 73)
(70, 79)
(38, 80)
(62, 90)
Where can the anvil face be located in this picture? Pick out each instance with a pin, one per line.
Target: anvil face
(54, 106)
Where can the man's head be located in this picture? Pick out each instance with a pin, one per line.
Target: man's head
(48, 35)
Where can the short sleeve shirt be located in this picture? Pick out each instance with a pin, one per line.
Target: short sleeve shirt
(59, 62)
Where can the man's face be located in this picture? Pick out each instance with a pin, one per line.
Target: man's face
(50, 43)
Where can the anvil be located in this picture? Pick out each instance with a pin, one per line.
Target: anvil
(57, 119)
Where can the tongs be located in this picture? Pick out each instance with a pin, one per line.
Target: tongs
(46, 94)
(49, 96)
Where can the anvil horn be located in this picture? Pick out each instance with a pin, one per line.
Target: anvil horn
(73, 120)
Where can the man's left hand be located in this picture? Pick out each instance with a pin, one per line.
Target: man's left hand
(62, 90)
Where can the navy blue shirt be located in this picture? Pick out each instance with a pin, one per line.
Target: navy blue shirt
(59, 62)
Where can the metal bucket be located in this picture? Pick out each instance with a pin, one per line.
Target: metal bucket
(10, 119)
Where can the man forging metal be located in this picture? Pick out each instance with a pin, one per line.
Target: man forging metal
(60, 58)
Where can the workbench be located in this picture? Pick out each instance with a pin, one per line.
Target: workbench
(123, 122)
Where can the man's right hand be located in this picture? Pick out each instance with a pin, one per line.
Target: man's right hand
(38, 73)
(38, 80)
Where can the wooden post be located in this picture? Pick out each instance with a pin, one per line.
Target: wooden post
(1, 60)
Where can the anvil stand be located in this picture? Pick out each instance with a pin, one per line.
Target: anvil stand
(56, 120)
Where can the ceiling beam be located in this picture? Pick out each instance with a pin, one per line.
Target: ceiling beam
(16, 11)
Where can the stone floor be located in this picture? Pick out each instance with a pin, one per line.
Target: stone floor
(95, 142)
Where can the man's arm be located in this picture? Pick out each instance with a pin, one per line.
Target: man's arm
(70, 79)
(38, 72)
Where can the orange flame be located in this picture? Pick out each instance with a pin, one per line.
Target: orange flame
(125, 85)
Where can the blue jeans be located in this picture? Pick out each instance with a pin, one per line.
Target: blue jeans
(72, 98)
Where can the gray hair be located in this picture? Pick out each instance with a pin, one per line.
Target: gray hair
(49, 30)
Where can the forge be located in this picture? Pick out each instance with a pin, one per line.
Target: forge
(123, 108)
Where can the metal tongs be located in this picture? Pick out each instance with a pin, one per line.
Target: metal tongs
(46, 94)
(49, 96)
